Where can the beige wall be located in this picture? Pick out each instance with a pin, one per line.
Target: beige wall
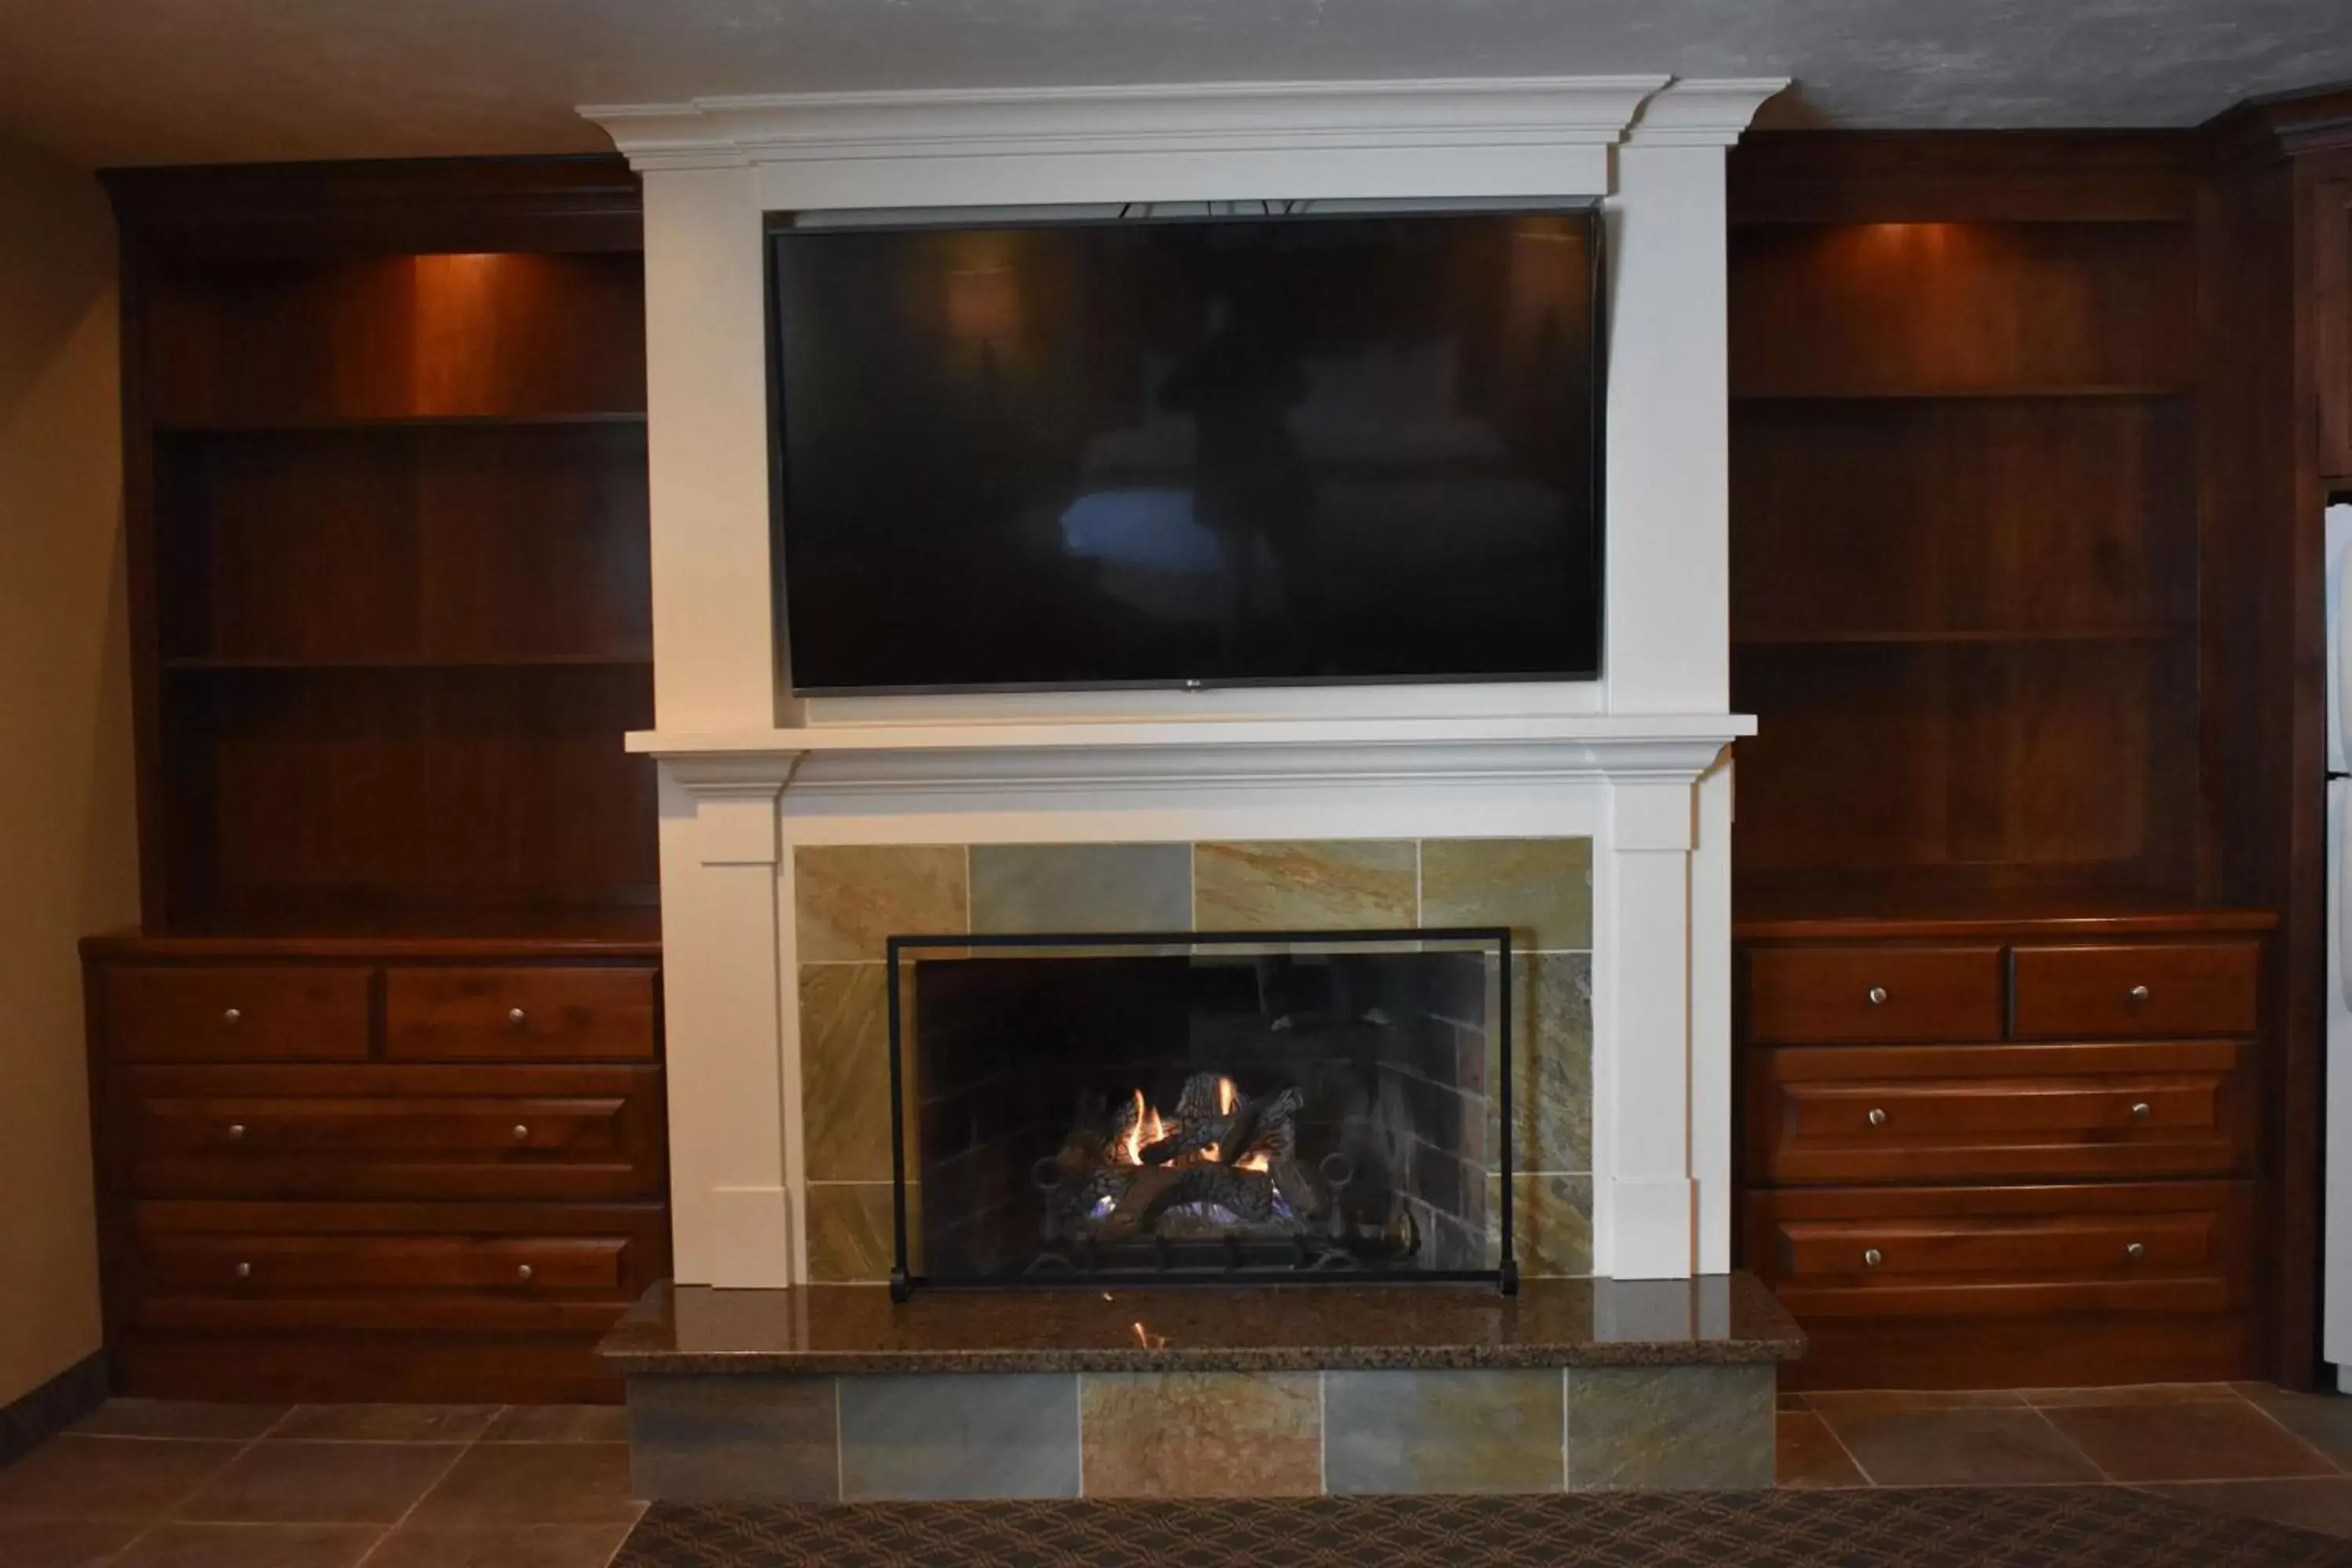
(67, 859)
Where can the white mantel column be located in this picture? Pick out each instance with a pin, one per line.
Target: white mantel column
(732, 1099)
(716, 660)
(1646, 1197)
(733, 1089)
(1669, 440)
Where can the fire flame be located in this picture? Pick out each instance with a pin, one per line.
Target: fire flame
(1257, 1161)
(1143, 1129)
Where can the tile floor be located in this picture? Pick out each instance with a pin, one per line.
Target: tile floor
(150, 1484)
(2246, 1448)
(147, 1484)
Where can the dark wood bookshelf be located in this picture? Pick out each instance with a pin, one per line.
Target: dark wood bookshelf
(551, 660)
(386, 460)
(2021, 394)
(385, 432)
(1896, 636)
(297, 425)
(1978, 544)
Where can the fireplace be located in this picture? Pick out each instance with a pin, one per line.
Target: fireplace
(1166, 1108)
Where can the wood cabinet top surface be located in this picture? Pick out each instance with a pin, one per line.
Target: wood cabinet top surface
(588, 935)
(2016, 922)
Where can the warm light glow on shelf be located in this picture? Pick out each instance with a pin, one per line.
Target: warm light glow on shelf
(465, 302)
(1912, 240)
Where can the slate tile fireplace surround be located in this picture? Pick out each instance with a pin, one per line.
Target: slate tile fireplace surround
(1399, 990)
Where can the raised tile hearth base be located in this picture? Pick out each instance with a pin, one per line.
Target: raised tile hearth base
(831, 1394)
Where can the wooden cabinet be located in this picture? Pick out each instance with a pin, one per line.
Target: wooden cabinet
(300, 1204)
(1968, 1114)
(233, 1013)
(2176, 1248)
(2328, 210)
(2029, 439)
(378, 1090)
(2055, 1131)
(381, 1131)
(1880, 993)
(389, 1268)
(2141, 988)
(519, 1014)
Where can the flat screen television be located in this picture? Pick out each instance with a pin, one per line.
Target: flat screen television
(1267, 449)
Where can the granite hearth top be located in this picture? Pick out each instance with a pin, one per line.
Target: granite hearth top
(847, 1329)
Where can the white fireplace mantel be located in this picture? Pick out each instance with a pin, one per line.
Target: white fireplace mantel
(1636, 758)
(1651, 791)
(1106, 757)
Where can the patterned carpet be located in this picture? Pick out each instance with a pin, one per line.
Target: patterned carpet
(2078, 1527)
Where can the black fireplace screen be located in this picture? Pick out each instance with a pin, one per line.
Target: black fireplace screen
(1166, 1108)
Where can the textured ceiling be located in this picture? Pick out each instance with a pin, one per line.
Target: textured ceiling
(129, 81)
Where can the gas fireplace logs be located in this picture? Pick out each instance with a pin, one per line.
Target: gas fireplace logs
(1221, 1167)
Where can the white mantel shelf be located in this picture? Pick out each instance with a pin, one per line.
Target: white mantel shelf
(1129, 755)
(1596, 730)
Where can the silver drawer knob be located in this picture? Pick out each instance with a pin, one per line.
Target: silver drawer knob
(1877, 1118)
(230, 1015)
(517, 1018)
(237, 1131)
(2140, 993)
(2142, 1110)
(1871, 1257)
(1877, 995)
(522, 1272)
(2135, 1249)
(521, 1134)
(244, 1270)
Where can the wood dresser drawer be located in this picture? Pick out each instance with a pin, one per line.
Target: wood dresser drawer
(1970, 1113)
(288, 1013)
(394, 1132)
(1804, 993)
(1910, 1252)
(2145, 988)
(519, 1014)
(393, 1266)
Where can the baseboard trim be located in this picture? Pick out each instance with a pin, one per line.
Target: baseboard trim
(32, 1420)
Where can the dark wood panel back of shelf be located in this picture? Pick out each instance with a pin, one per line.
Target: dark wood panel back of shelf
(1962, 176)
(1907, 308)
(448, 544)
(421, 789)
(1989, 764)
(1934, 518)
(396, 337)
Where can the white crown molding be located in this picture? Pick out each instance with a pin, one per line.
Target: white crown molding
(1706, 112)
(1500, 112)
